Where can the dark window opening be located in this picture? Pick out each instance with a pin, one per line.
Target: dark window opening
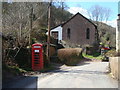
(55, 35)
(107, 38)
(68, 33)
(88, 33)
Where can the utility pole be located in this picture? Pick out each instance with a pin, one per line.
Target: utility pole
(31, 20)
(62, 11)
(48, 39)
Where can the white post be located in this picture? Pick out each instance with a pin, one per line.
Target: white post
(118, 30)
(118, 34)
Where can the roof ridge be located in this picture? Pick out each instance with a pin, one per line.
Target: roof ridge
(80, 15)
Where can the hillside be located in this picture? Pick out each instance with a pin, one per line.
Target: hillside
(24, 23)
(107, 34)
(17, 17)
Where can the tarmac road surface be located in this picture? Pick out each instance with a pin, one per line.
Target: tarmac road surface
(85, 75)
(88, 75)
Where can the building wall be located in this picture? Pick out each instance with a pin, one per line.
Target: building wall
(114, 67)
(78, 26)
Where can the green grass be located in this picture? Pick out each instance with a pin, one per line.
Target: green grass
(95, 56)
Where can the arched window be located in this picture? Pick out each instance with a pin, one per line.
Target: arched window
(87, 33)
(68, 33)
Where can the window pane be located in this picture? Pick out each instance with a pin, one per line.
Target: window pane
(68, 33)
(88, 33)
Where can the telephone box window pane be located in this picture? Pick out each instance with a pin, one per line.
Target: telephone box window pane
(37, 47)
(36, 50)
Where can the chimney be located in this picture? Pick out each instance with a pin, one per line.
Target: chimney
(118, 16)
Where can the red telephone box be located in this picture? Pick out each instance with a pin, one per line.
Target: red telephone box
(37, 57)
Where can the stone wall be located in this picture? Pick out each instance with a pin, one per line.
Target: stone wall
(77, 34)
(115, 67)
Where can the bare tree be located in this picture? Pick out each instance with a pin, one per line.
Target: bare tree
(15, 19)
(107, 14)
(98, 13)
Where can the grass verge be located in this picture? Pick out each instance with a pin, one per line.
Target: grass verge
(96, 56)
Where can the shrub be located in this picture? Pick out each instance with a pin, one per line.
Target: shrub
(111, 53)
(70, 56)
(23, 58)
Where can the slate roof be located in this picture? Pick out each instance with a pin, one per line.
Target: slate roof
(80, 15)
(72, 18)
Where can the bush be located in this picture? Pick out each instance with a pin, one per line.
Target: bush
(23, 58)
(111, 53)
(70, 56)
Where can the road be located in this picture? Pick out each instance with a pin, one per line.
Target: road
(85, 75)
(88, 75)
